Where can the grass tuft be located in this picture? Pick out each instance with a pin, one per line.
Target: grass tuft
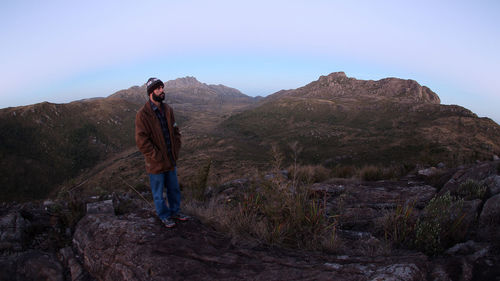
(471, 189)
(371, 173)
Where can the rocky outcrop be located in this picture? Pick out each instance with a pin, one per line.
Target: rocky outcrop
(12, 231)
(482, 172)
(30, 237)
(493, 184)
(338, 85)
(132, 244)
(137, 247)
(31, 265)
(361, 204)
(489, 221)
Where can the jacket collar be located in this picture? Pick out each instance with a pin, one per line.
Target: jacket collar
(149, 107)
(153, 105)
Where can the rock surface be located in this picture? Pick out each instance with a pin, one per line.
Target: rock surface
(478, 173)
(132, 244)
(31, 265)
(31, 235)
(493, 184)
(137, 247)
(360, 204)
(12, 231)
(489, 221)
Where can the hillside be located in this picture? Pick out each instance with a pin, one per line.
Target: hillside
(341, 120)
(336, 120)
(188, 91)
(45, 144)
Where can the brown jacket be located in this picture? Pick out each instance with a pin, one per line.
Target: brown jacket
(150, 141)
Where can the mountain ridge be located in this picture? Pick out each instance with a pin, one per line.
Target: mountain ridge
(337, 85)
(383, 121)
(331, 123)
(54, 142)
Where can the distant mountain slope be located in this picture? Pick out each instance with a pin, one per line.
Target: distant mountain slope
(44, 144)
(338, 86)
(190, 90)
(337, 119)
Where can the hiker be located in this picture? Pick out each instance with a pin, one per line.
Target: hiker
(158, 137)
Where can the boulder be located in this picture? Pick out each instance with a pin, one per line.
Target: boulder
(476, 172)
(396, 272)
(441, 165)
(489, 221)
(76, 271)
(429, 172)
(31, 265)
(12, 231)
(101, 207)
(469, 248)
(471, 212)
(361, 204)
(493, 184)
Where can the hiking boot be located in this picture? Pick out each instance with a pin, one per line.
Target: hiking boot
(169, 223)
(180, 216)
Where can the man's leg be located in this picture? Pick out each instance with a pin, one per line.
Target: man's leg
(157, 182)
(173, 191)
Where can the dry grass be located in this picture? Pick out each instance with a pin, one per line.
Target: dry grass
(345, 172)
(399, 225)
(307, 174)
(273, 210)
(371, 173)
(272, 215)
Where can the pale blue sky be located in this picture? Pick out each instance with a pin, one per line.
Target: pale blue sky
(59, 51)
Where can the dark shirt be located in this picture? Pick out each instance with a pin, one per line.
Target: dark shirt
(164, 127)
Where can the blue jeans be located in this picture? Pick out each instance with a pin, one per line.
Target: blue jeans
(169, 181)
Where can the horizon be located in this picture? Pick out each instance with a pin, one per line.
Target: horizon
(62, 52)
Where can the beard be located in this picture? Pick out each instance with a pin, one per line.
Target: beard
(159, 98)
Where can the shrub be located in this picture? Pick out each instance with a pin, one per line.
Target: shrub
(440, 226)
(428, 237)
(471, 189)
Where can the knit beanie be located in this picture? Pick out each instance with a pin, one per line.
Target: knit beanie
(152, 84)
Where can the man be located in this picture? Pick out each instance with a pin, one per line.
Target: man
(158, 138)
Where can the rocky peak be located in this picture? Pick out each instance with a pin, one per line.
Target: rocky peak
(338, 85)
(334, 76)
(184, 82)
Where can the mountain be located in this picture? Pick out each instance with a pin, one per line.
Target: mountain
(342, 120)
(44, 144)
(335, 120)
(189, 90)
(338, 86)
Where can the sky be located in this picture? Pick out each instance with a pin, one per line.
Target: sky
(61, 51)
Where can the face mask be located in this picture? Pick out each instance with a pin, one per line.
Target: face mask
(159, 98)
